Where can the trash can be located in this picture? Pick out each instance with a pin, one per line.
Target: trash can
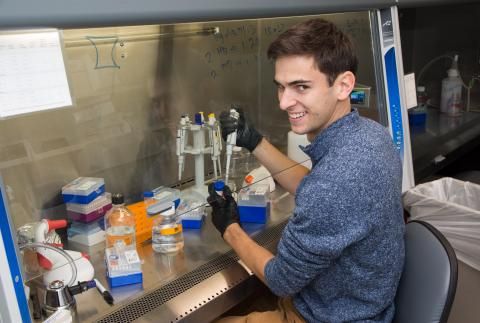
(453, 207)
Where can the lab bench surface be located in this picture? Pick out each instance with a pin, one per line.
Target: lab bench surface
(442, 141)
(196, 285)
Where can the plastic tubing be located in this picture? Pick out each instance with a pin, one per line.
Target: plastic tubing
(69, 258)
(467, 87)
(426, 66)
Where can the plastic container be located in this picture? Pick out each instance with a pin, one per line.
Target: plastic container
(119, 224)
(143, 223)
(92, 211)
(417, 116)
(422, 97)
(167, 232)
(192, 211)
(123, 266)
(453, 207)
(451, 97)
(86, 234)
(166, 194)
(85, 227)
(83, 190)
(259, 176)
(148, 198)
(253, 203)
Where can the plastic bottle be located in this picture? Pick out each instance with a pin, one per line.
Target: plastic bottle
(259, 175)
(219, 186)
(451, 98)
(119, 224)
(148, 198)
(422, 97)
(417, 116)
(167, 232)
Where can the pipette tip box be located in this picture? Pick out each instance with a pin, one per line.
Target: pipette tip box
(164, 194)
(92, 211)
(253, 203)
(87, 234)
(87, 239)
(83, 190)
(125, 280)
(254, 214)
(192, 224)
(192, 214)
(123, 267)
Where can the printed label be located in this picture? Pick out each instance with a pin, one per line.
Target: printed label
(173, 230)
(132, 256)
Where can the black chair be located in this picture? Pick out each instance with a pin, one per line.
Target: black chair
(429, 279)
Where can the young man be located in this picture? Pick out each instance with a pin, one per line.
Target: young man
(341, 254)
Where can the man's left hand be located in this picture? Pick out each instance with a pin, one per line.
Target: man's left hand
(224, 208)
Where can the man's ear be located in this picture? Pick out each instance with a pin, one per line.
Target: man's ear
(344, 85)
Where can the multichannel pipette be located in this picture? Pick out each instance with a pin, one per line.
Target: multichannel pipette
(231, 141)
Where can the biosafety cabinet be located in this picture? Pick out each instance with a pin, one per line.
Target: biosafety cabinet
(117, 78)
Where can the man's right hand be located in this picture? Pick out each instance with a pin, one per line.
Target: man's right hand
(247, 135)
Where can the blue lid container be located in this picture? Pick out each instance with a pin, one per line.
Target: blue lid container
(83, 190)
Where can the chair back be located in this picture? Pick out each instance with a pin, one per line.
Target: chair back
(429, 280)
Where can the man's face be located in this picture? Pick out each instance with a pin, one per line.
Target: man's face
(304, 93)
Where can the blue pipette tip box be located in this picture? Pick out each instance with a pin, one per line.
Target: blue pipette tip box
(254, 214)
(253, 203)
(123, 280)
(123, 266)
(192, 213)
(83, 190)
(192, 224)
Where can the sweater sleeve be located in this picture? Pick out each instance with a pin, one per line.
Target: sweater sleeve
(325, 222)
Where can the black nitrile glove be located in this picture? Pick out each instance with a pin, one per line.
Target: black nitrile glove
(247, 135)
(224, 208)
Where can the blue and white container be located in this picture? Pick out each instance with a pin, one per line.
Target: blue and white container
(92, 211)
(87, 234)
(253, 203)
(83, 190)
(124, 266)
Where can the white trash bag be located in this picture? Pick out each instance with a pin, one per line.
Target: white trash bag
(453, 207)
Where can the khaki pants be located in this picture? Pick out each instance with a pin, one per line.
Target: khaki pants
(285, 313)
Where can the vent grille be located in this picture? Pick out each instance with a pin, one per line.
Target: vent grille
(156, 298)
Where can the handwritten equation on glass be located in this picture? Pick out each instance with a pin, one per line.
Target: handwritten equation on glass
(238, 48)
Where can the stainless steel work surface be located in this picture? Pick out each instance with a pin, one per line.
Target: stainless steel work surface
(181, 284)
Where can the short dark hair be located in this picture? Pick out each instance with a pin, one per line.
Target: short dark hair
(332, 50)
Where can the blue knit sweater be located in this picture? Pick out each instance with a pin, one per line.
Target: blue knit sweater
(341, 254)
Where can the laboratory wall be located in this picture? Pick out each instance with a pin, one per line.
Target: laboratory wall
(130, 85)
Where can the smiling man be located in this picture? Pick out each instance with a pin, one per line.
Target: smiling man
(341, 254)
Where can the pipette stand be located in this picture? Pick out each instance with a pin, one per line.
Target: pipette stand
(199, 130)
(198, 150)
